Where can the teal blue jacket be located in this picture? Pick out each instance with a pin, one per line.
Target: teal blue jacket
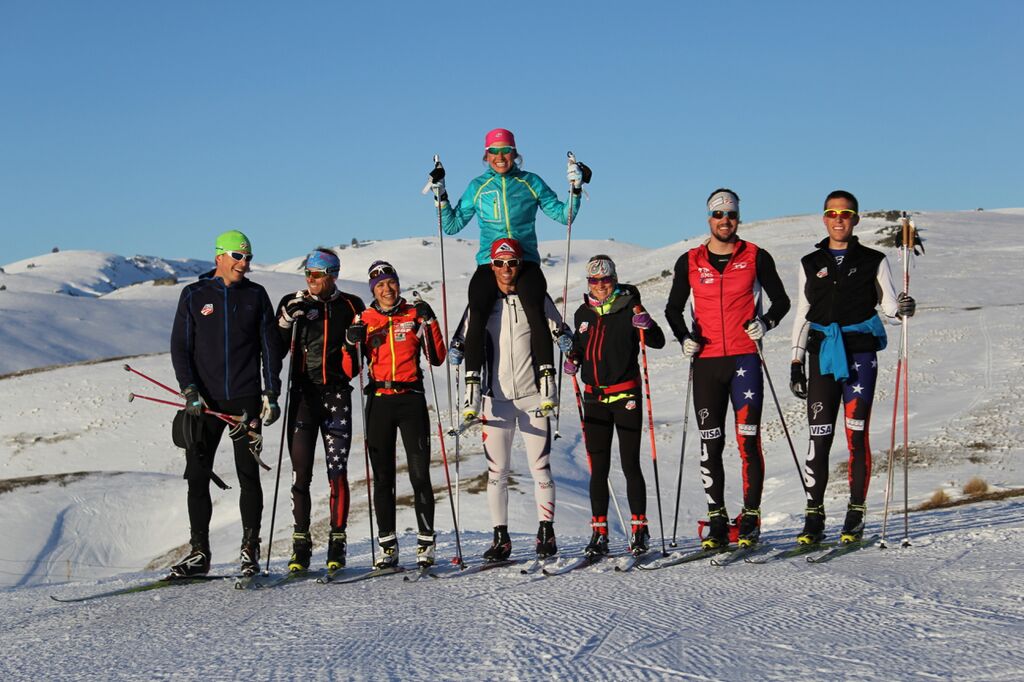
(506, 206)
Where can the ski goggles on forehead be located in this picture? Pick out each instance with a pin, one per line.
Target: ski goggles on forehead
(238, 255)
(718, 215)
(500, 150)
(382, 270)
(506, 263)
(839, 213)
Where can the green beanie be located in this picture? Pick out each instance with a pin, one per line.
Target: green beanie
(233, 240)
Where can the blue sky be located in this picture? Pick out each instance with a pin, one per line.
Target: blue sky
(143, 127)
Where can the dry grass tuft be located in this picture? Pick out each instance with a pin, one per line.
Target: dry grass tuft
(938, 499)
(976, 486)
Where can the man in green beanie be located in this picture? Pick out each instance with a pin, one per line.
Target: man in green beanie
(224, 348)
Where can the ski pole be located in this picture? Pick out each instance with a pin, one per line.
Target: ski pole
(782, 419)
(458, 560)
(590, 467)
(565, 294)
(366, 452)
(909, 237)
(255, 438)
(280, 449)
(129, 368)
(438, 174)
(458, 486)
(890, 461)
(682, 452)
(650, 429)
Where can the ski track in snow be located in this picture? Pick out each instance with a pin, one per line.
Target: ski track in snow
(948, 607)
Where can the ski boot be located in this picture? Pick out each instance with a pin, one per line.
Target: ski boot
(640, 537)
(548, 389)
(750, 527)
(388, 551)
(336, 546)
(501, 548)
(250, 552)
(425, 550)
(718, 530)
(471, 403)
(302, 550)
(198, 560)
(598, 545)
(814, 526)
(853, 527)
(546, 546)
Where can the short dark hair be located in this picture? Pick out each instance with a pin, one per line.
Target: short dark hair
(722, 189)
(842, 194)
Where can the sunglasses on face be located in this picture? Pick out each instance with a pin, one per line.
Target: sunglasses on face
(506, 263)
(316, 274)
(718, 215)
(382, 270)
(239, 256)
(840, 213)
(594, 281)
(500, 150)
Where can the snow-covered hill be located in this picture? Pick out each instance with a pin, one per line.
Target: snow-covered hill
(92, 497)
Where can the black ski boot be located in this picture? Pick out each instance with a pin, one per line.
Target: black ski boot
(425, 550)
(853, 527)
(250, 554)
(546, 546)
(598, 545)
(198, 560)
(302, 550)
(501, 548)
(640, 536)
(814, 526)
(718, 530)
(388, 551)
(750, 527)
(336, 546)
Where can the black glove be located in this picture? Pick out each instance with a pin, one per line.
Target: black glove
(798, 380)
(437, 183)
(193, 401)
(270, 412)
(293, 308)
(905, 305)
(585, 169)
(424, 311)
(355, 334)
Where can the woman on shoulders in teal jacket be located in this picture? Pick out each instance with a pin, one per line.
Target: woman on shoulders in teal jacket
(505, 200)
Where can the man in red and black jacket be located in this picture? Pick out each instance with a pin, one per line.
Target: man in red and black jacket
(725, 277)
(321, 398)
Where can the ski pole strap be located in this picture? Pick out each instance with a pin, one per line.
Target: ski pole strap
(832, 354)
(604, 391)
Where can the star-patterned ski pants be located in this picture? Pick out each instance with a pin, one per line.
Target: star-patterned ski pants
(386, 416)
(823, 394)
(716, 381)
(325, 410)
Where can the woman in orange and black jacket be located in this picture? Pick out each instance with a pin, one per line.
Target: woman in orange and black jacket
(393, 333)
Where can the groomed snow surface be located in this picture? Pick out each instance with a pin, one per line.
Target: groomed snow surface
(106, 508)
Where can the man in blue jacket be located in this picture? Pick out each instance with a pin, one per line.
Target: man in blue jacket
(224, 348)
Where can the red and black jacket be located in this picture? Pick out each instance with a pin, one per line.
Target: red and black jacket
(723, 302)
(321, 354)
(606, 345)
(393, 344)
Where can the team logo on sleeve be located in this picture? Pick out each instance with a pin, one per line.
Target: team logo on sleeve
(207, 309)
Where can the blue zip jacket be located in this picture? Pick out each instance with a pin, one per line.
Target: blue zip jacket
(506, 206)
(220, 335)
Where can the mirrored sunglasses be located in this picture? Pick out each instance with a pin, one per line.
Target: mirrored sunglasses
(593, 281)
(500, 150)
(506, 262)
(381, 270)
(239, 256)
(718, 215)
(316, 274)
